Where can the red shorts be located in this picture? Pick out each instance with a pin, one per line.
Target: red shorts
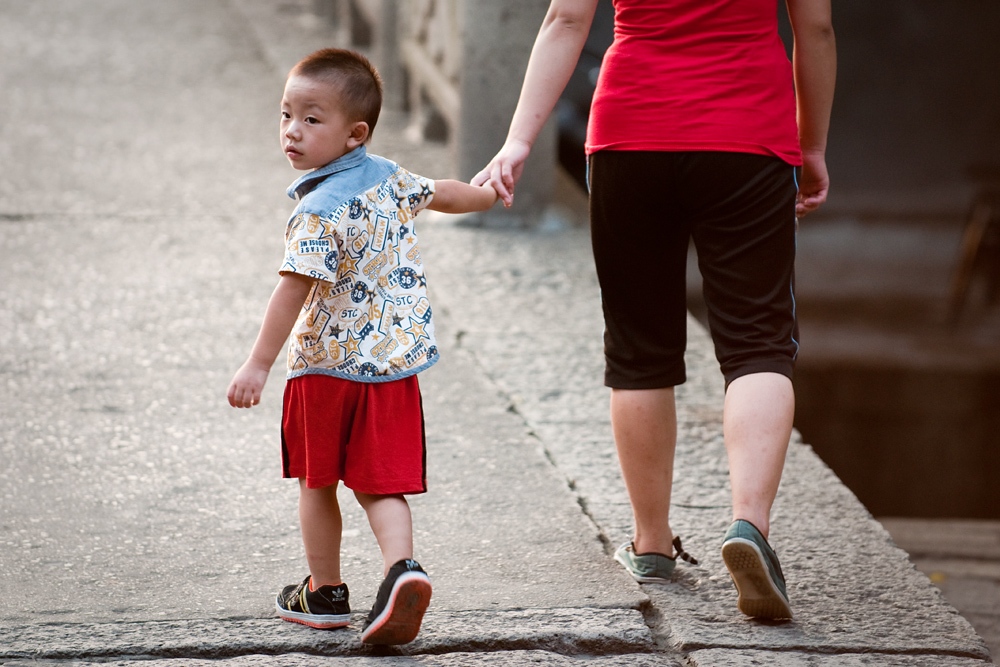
(368, 435)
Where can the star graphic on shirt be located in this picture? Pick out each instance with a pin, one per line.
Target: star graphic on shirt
(425, 191)
(404, 230)
(416, 329)
(349, 264)
(396, 319)
(422, 279)
(351, 346)
(335, 330)
(329, 228)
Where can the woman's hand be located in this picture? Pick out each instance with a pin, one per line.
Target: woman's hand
(814, 184)
(505, 169)
(553, 59)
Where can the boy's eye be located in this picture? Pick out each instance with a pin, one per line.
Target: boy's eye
(311, 120)
(286, 115)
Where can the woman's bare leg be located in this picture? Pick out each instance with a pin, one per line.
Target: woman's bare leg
(645, 429)
(757, 425)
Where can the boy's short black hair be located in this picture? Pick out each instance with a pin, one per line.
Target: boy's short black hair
(356, 79)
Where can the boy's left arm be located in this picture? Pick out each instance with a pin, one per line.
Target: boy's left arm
(458, 197)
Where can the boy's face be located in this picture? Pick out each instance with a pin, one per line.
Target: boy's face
(314, 128)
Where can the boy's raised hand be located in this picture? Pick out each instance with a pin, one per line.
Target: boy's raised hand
(451, 196)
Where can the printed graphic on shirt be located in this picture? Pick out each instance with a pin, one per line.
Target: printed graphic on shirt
(367, 316)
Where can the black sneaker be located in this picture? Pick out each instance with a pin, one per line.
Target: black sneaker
(399, 606)
(324, 608)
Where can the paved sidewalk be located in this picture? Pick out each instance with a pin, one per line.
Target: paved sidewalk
(141, 207)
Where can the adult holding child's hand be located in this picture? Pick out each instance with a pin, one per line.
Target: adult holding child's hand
(696, 132)
(505, 170)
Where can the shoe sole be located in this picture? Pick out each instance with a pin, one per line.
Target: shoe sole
(400, 621)
(638, 577)
(317, 621)
(759, 596)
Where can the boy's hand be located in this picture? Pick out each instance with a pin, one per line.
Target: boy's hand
(283, 307)
(247, 385)
(491, 193)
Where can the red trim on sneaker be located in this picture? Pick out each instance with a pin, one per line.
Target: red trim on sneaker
(399, 622)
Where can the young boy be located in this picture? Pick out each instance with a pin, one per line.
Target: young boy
(352, 291)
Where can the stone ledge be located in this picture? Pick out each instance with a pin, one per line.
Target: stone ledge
(502, 659)
(728, 658)
(529, 309)
(563, 631)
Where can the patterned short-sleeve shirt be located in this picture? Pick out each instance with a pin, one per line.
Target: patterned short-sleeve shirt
(367, 317)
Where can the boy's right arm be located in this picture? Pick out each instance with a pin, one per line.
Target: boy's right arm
(282, 310)
(458, 197)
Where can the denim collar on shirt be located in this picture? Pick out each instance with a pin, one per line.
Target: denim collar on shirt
(307, 182)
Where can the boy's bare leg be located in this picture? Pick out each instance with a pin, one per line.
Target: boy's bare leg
(389, 517)
(319, 516)
(645, 429)
(757, 425)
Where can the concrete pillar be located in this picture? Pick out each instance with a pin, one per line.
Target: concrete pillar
(336, 14)
(497, 40)
(371, 26)
(385, 53)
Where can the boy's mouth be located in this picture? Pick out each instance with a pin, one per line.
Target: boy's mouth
(291, 152)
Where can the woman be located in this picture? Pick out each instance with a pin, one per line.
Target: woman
(695, 132)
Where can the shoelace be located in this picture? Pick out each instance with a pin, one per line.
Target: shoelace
(680, 553)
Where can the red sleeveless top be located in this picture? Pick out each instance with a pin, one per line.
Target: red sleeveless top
(696, 75)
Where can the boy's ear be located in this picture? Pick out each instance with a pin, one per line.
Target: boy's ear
(359, 134)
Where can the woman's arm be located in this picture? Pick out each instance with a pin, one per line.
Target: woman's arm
(457, 197)
(282, 310)
(553, 58)
(814, 61)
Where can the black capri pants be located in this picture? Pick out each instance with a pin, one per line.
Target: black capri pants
(739, 209)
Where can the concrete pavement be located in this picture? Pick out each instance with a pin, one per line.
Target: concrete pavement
(141, 207)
